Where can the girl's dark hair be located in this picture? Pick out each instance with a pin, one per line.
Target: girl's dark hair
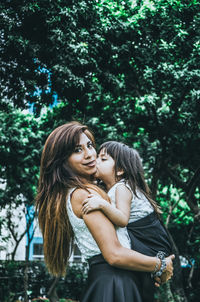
(56, 178)
(128, 160)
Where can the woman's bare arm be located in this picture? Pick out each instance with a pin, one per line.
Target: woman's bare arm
(104, 234)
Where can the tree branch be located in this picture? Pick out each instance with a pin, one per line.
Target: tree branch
(192, 184)
(181, 184)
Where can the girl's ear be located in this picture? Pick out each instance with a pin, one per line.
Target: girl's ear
(120, 172)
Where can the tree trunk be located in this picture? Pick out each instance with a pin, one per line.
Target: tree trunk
(155, 178)
(14, 251)
(26, 274)
(177, 280)
(52, 294)
(26, 281)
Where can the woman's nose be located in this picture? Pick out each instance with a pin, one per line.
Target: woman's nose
(88, 152)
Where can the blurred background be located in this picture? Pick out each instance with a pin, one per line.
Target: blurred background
(130, 70)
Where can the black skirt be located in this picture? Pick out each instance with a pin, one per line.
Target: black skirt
(110, 284)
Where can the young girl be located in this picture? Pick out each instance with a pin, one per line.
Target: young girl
(120, 169)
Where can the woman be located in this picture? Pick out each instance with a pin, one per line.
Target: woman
(68, 164)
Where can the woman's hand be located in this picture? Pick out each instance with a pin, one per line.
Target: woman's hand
(168, 272)
(92, 203)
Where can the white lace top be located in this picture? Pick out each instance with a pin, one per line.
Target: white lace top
(140, 206)
(86, 243)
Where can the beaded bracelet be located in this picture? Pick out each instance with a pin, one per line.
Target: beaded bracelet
(156, 266)
(160, 255)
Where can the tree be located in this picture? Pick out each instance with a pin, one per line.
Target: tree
(130, 70)
(21, 142)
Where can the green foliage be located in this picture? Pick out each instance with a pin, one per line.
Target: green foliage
(20, 150)
(173, 203)
(129, 70)
(11, 274)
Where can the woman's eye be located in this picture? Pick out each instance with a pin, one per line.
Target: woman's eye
(90, 145)
(103, 159)
(77, 150)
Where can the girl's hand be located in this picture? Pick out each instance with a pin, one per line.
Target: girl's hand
(92, 203)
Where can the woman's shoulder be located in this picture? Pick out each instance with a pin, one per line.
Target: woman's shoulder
(77, 197)
(79, 194)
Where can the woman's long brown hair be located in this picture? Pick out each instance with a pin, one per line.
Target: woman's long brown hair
(56, 178)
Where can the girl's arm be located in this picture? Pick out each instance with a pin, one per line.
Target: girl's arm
(105, 236)
(120, 214)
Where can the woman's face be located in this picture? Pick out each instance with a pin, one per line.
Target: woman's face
(83, 160)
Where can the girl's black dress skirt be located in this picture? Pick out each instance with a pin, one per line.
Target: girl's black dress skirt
(110, 284)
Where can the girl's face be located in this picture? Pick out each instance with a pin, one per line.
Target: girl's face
(83, 160)
(106, 168)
